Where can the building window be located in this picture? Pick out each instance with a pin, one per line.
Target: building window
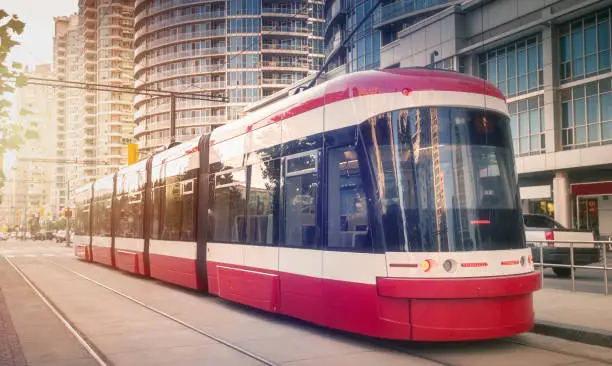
(527, 125)
(515, 68)
(446, 64)
(584, 46)
(586, 115)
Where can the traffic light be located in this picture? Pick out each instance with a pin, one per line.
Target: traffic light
(42, 211)
(68, 213)
(132, 153)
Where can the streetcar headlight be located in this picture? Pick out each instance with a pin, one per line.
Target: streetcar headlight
(449, 265)
(426, 265)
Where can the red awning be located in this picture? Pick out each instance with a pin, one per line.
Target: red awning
(588, 189)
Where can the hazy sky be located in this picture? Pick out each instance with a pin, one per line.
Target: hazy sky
(37, 39)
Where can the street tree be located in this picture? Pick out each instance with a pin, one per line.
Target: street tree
(13, 131)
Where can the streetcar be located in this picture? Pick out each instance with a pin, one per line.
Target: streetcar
(382, 203)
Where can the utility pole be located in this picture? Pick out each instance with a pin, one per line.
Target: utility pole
(66, 210)
(172, 119)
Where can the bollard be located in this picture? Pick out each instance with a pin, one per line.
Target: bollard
(542, 264)
(572, 267)
(605, 266)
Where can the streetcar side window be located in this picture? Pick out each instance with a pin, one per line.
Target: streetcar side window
(301, 201)
(102, 217)
(347, 211)
(128, 221)
(263, 201)
(156, 201)
(230, 206)
(189, 195)
(171, 229)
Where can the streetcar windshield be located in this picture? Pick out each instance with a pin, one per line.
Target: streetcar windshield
(444, 180)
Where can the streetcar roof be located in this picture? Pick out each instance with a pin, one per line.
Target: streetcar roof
(354, 85)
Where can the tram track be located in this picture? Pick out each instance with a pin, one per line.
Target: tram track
(97, 354)
(436, 353)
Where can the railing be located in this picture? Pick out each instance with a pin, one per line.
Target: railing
(278, 10)
(186, 36)
(283, 47)
(175, 20)
(283, 28)
(153, 60)
(294, 64)
(278, 81)
(604, 246)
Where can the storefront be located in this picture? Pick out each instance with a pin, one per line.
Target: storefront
(537, 200)
(593, 207)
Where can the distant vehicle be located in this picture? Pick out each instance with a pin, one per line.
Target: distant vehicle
(4, 236)
(28, 235)
(60, 236)
(540, 228)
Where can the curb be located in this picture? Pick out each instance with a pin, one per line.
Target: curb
(591, 336)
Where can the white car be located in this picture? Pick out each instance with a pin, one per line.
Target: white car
(541, 230)
(4, 236)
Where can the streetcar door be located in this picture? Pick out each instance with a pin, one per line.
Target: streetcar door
(300, 255)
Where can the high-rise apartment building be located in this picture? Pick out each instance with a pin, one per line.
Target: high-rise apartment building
(241, 49)
(108, 32)
(67, 61)
(94, 127)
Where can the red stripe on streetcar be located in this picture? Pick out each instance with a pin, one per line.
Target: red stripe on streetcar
(403, 265)
(474, 264)
(510, 263)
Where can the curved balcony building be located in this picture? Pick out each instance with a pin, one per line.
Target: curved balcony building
(240, 49)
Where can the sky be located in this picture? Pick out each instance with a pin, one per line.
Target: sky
(37, 39)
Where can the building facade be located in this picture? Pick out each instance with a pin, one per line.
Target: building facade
(362, 50)
(552, 61)
(30, 187)
(241, 49)
(67, 65)
(108, 33)
(94, 127)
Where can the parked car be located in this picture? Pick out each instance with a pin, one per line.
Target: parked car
(541, 229)
(4, 236)
(60, 236)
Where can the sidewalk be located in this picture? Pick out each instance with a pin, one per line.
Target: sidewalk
(576, 316)
(30, 334)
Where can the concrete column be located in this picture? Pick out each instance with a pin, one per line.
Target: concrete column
(552, 106)
(561, 198)
(525, 206)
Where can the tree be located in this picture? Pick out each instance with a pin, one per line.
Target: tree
(12, 133)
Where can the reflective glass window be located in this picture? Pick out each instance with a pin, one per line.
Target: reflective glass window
(301, 201)
(347, 208)
(515, 68)
(585, 46)
(229, 211)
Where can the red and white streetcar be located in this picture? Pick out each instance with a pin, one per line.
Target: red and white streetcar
(382, 203)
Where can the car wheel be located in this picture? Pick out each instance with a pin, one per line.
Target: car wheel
(563, 272)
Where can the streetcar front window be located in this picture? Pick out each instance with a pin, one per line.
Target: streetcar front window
(444, 180)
